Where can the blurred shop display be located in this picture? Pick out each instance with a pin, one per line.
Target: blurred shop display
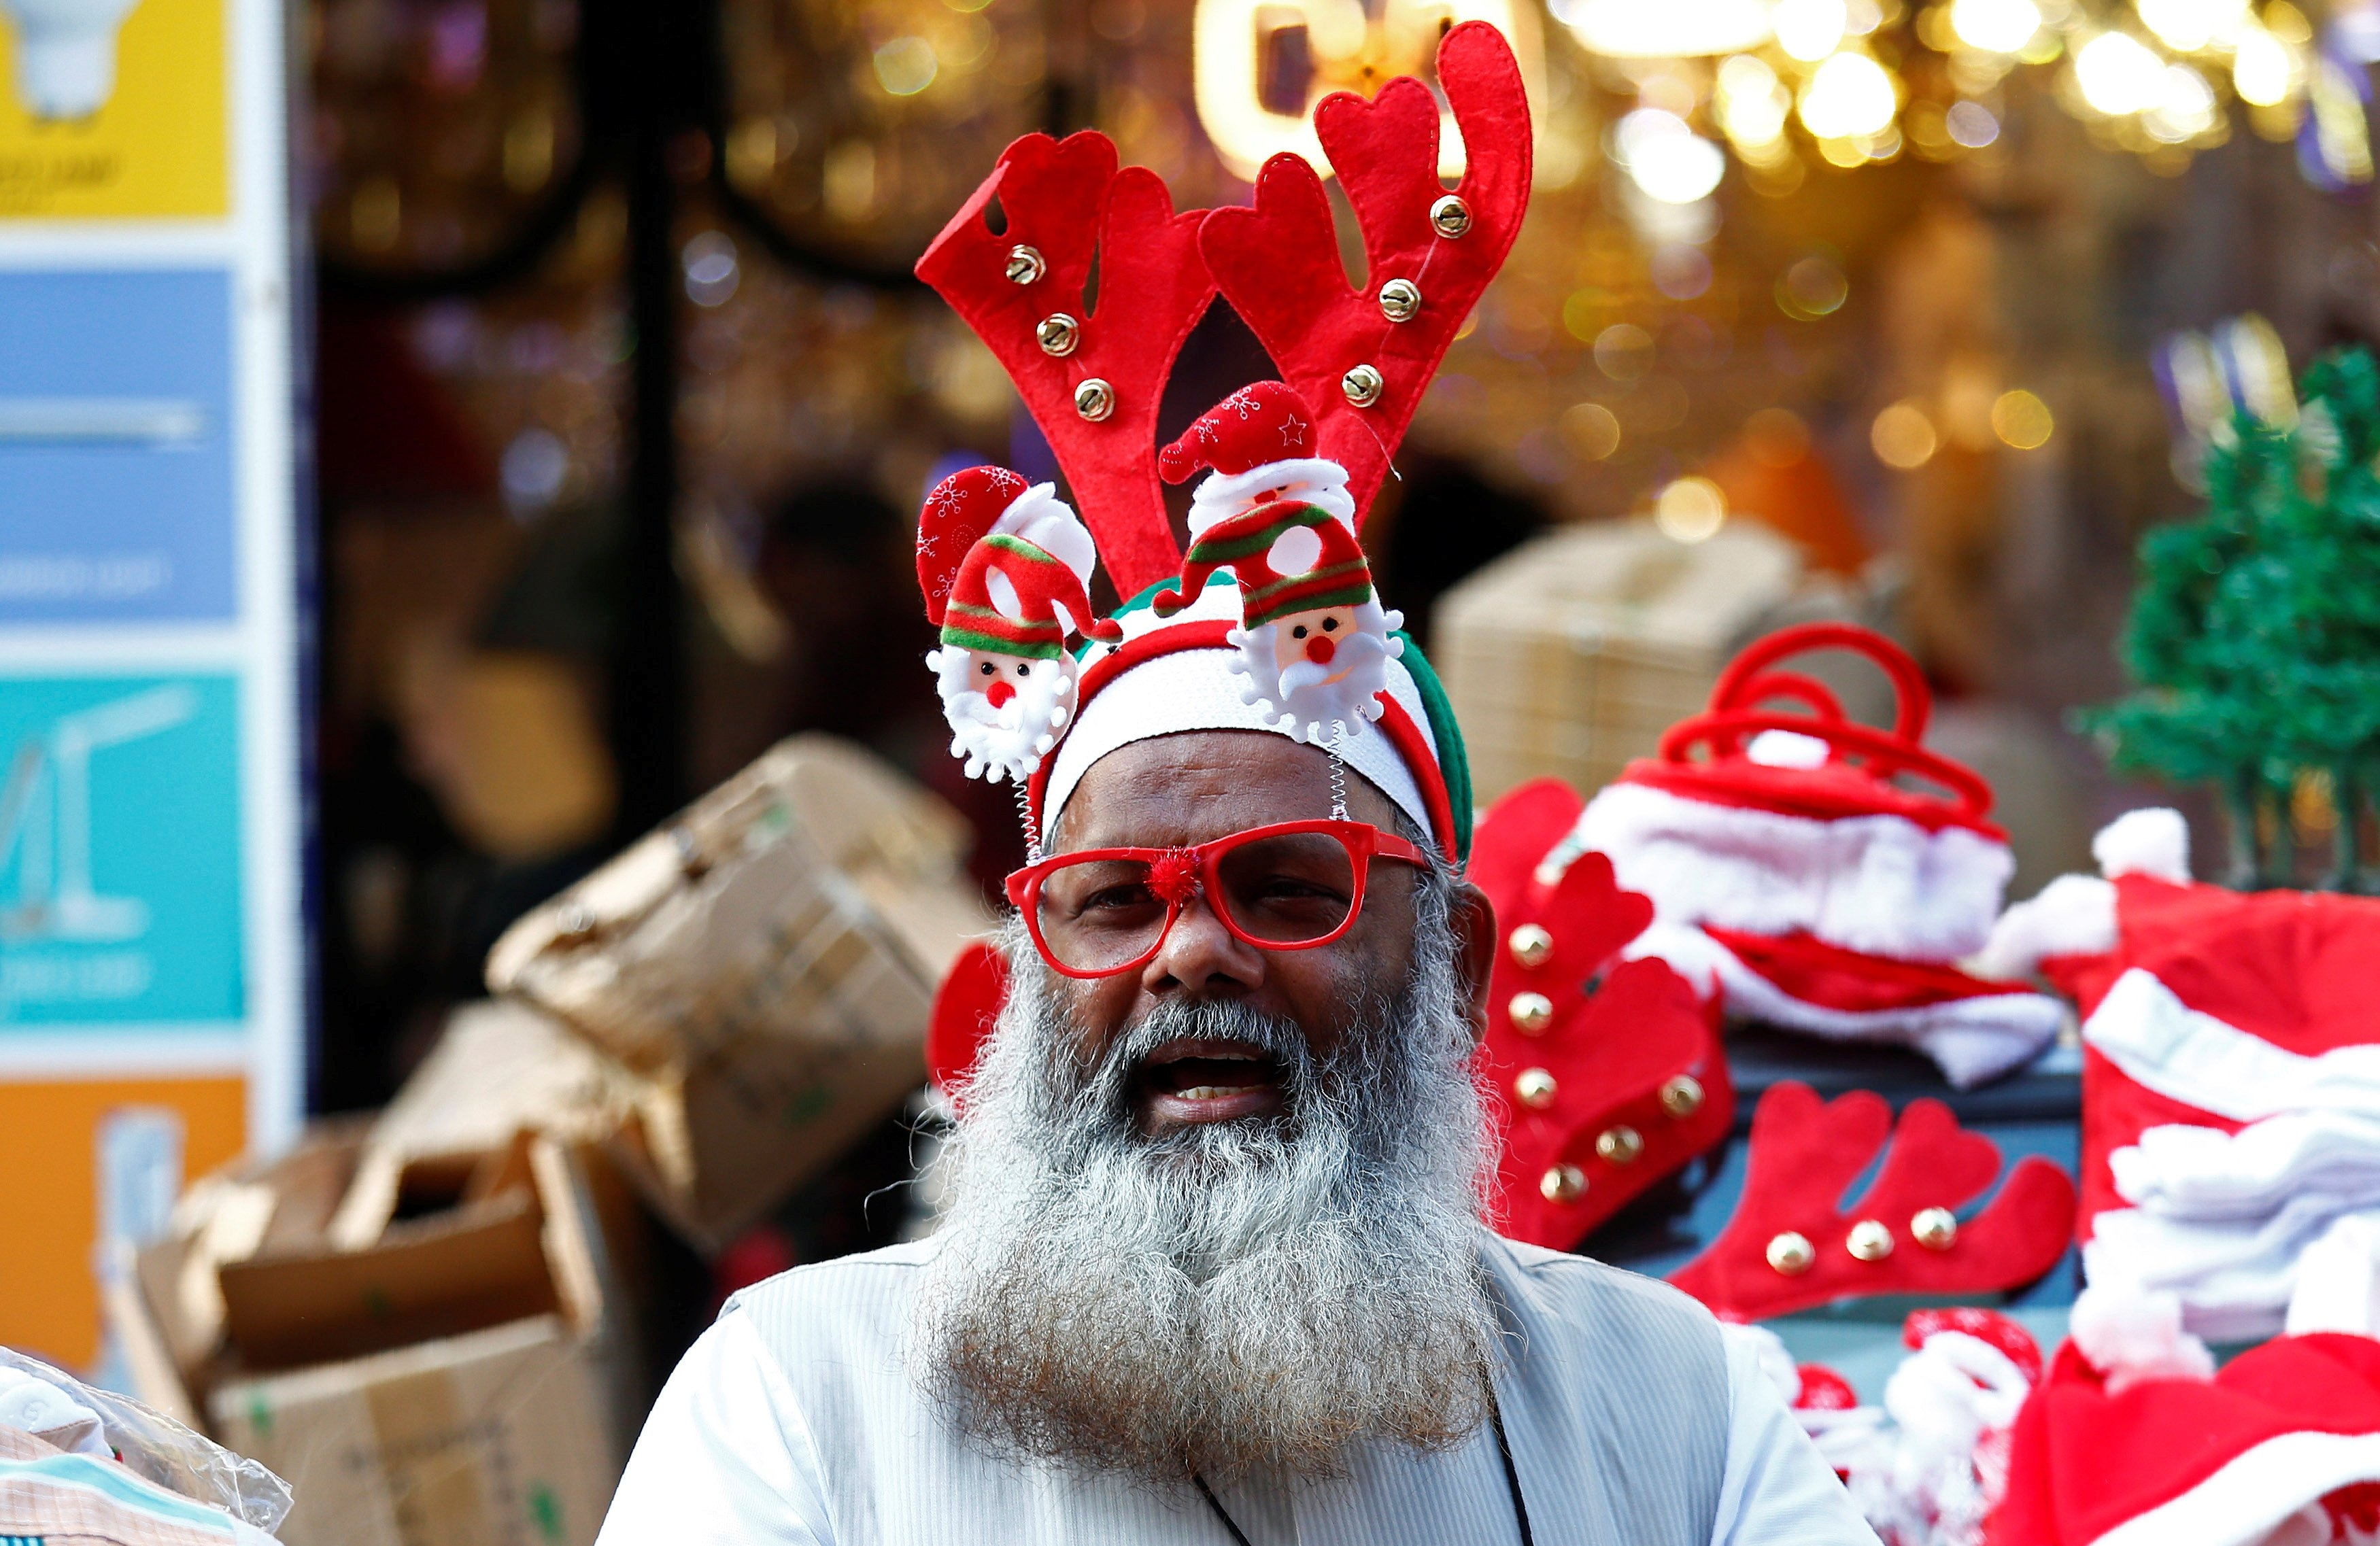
(2255, 636)
(768, 959)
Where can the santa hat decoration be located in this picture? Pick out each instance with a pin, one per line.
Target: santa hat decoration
(2283, 1445)
(1796, 877)
(1257, 442)
(1278, 573)
(1791, 1245)
(2230, 1071)
(1005, 566)
(1607, 1074)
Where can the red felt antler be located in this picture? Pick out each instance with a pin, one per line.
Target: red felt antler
(1278, 263)
(1092, 378)
(1607, 1075)
(1790, 1244)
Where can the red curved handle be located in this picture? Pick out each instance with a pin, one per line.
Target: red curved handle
(1915, 701)
(1885, 753)
(1808, 690)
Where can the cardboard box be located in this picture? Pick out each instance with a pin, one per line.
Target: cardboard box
(495, 1438)
(766, 962)
(464, 1373)
(1571, 655)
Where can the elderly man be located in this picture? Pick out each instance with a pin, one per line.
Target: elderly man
(1212, 1268)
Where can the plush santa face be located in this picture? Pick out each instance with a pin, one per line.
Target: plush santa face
(1004, 710)
(1322, 668)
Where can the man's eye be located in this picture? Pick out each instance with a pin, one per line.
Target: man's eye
(1116, 898)
(1298, 631)
(1022, 671)
(989, 668)
(1330, 623)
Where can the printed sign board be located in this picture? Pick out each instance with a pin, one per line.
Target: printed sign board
(113, 108)
(152, 915)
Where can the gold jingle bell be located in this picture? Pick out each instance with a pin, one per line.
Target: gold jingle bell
(1869, 1240)
(1563, 1183)
(1533, 1089)
(1025, 265)
(1363, 385)
(1400, 301)
(1530, 945)
(1934, 1229)
(1791, 1253)
(1094, 399)
(1682, 1096)
(1620, 1145)
(1450, 216)
(1058, 333)
(1532, 1013)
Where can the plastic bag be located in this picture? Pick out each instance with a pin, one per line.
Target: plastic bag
(156, 1447)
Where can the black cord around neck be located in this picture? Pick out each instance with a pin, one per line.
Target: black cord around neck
(1503, 1453)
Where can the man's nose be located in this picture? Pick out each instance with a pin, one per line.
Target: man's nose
(999, 693)
(1201, 955)
(1319, 649)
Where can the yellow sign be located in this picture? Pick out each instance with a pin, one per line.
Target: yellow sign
(112, 109)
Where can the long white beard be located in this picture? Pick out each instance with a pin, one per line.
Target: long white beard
(1008, 741)
(1226, 1297)
(1300, 696)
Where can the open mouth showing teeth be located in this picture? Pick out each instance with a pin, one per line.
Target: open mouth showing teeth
(1196, 1079)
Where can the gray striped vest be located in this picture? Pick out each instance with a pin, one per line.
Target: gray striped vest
(1614, 1391)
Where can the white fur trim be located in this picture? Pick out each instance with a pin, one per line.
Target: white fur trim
(1041, 517)
(2201, 1062)
(1878, 883)
(1972, 1040)
(2153, 842)
(2255, 1492)
(1196, 689)
(2131, 1335)
(2074, 915)
(2338, 1282)
(1315, 480)
(1784, 748)
(2184, 1171)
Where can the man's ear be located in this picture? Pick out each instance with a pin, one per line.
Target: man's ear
(1474, 920)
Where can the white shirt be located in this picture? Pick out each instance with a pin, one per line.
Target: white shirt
(731, 1455)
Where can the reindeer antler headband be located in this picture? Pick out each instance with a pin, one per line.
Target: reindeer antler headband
(1355, 362)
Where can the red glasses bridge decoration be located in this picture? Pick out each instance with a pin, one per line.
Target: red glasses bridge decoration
(1793, 1245)
(1607, 1074)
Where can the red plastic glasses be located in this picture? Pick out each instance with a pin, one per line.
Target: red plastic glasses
(1293, 886)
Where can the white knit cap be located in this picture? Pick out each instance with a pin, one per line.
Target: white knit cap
(1195, 690)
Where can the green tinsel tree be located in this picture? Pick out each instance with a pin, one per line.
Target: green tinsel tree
(2255, 631)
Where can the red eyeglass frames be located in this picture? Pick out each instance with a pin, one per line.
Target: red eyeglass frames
(1292, 886)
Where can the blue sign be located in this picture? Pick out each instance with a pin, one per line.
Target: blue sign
(119, 851)
(115, 447)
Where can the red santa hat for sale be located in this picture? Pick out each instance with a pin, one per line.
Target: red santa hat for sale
(2231, 1071)
(1606, 1075)
(1795, 875)
(1258, 441)
(2281, 1448)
